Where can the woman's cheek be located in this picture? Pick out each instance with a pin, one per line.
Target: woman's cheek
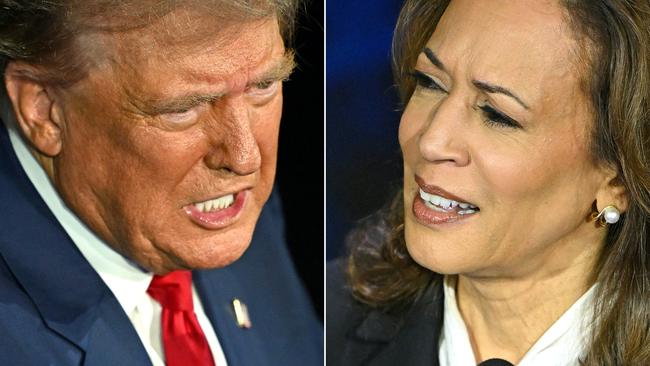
(407, 133)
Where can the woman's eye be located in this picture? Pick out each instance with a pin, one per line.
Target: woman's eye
(425, 81)
(497, 118)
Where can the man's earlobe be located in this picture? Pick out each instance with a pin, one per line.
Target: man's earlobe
(35, 109)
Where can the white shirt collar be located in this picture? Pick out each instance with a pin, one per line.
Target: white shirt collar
(562, 344)
(126, 280)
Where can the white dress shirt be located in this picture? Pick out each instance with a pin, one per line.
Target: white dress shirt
(561, 345)
(124, 278)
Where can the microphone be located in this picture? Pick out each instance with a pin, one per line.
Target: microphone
(495, 362)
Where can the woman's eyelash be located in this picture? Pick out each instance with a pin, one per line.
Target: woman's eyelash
(492, 116)
(426, 81)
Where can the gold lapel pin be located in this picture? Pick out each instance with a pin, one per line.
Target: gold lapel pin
(241, 314)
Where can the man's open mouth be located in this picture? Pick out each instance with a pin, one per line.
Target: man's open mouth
(215, 204)
(217, 213)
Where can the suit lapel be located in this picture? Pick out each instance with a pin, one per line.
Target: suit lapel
(409, 337)
(217, 289)
(263, 279)
(112, 339)
(70, 296)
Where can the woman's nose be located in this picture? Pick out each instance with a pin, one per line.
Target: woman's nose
(442, 138)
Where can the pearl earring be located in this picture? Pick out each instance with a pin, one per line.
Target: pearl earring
(609, 215)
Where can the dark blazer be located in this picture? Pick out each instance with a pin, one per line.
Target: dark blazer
(56, 310)
(360, 335)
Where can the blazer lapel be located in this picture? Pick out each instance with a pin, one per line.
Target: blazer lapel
(410, 337)
(371, 337)
(70, 296)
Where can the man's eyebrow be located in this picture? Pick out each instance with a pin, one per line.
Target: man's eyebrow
(491, 88)
(434, 59)
(178, 104)
(280, 70)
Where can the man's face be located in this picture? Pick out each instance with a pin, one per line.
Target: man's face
(169, 148)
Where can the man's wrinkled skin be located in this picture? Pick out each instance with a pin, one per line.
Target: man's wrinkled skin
(171, 114)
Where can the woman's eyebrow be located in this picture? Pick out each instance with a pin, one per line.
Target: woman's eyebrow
(434, 59)
(491, 88)
(481, 85)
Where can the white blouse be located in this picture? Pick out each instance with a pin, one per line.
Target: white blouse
(561, 345)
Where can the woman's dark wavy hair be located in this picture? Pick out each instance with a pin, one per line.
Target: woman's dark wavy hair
(615, 44)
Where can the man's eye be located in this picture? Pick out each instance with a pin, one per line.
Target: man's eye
(496, 118)
(425, 81)
(263, 88)
(265, 84)
(181, 116)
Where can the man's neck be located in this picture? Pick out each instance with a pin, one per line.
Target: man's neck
(505, 316)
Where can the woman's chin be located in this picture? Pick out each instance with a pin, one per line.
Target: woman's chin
(436, 253)
(432, 259)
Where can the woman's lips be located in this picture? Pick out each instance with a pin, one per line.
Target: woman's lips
(433, 205)
(429, 188)
(430, 216)
(219, 218)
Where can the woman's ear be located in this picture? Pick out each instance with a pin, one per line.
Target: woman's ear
(37, 114)
(612, 191)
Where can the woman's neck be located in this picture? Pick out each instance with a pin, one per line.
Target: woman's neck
(505, 316)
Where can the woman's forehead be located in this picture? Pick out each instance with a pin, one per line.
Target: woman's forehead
(505, 30)
(525, 45)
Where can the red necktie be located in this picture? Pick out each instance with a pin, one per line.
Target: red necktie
(183, 339)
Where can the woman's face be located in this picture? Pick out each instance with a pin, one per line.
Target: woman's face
(500, 124)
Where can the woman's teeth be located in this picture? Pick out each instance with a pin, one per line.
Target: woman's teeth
(442, 204)
(215, 204)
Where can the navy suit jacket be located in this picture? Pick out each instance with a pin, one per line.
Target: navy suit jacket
(56, 310)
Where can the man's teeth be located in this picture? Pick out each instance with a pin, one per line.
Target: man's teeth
(215, 204)
(436, 201)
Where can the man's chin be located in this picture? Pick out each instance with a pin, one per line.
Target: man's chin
(218, 259)
(216, 255)
(200, 255)
(189, 247)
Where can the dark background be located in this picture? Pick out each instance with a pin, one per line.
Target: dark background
(363, 158)
(300, 156)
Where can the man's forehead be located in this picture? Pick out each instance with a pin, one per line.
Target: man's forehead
(234, 55)
(200, 37)
(188, 25)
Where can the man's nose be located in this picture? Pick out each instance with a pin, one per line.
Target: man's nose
(234, 144)
(442, 139)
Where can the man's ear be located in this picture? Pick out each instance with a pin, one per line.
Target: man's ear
(612, 191)
(37, 114)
